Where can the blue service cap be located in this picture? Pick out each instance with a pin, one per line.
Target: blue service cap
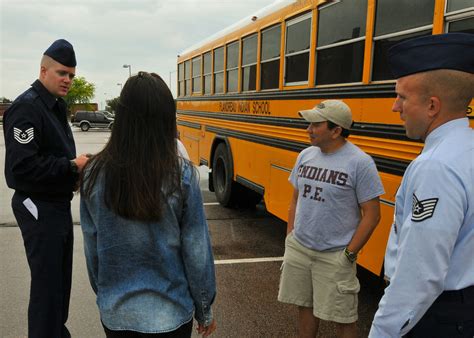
(62, 52)
(442, 51)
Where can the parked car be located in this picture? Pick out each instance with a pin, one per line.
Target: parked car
(92, 119)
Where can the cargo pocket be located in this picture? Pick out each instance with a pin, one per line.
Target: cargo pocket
(347, 296)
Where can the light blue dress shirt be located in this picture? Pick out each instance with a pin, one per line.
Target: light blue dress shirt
(150, 277)
(431, 243)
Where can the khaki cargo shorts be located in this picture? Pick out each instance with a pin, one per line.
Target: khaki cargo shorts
(325, 281)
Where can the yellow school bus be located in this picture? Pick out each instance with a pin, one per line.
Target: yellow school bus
(239, 92)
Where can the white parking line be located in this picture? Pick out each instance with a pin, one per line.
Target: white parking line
(248, 260)
(211, 203)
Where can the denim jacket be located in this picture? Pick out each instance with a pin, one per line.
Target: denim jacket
(150, 277)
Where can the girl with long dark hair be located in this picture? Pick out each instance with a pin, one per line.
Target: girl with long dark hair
(146, 238)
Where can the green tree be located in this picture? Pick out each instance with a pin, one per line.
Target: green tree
(112, 104)
(3, 99)
(81, 91)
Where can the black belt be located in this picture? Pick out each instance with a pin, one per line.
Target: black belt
(465, 295)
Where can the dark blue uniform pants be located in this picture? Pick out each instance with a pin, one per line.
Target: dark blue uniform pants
(450, 316)
(49, 244)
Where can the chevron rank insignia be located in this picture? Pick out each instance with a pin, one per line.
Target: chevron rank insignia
(422, 210)
(23, 137)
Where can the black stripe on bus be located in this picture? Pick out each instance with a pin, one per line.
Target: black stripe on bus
(396, 167)
(273, 121)
(389, 131)
(251, 185)
(189, 124)
(391, 166)
(268, 141)
(357, 91)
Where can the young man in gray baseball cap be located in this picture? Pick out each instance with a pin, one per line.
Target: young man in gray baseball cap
(334, 210)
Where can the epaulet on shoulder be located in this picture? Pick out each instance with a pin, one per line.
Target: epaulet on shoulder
(26, 98)
(29, 95)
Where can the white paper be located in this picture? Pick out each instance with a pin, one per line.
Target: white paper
(28, 203)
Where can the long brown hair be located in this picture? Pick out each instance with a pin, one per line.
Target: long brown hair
(139, 162)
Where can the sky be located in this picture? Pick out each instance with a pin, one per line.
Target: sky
(107, 34)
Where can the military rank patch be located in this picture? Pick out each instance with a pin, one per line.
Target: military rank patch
(23, 136)
(422, 210)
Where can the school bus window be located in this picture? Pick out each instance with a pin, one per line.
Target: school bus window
(232, 66)
(181, 79)
(197, 75)
(394, 15)
(396, 21)
(219, 70)
(381, 70)
(207, 73)
(464, 26)
(187, 77)
(270, 58)
(341, 35)
(460, 16)
(457, 5)
(298, 36)
(249, 63)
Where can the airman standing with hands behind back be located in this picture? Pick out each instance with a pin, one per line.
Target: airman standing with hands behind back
(42, 167)
(429, 258)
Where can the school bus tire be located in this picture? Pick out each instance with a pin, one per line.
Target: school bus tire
(228, 192)
(222, 176)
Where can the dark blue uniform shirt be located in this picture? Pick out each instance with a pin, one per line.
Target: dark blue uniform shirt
(39, 146)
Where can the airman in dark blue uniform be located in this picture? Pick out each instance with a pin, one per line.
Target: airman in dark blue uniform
(41, 166)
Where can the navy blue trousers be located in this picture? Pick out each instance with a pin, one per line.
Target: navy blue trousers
(48, 243)
(450, 316)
